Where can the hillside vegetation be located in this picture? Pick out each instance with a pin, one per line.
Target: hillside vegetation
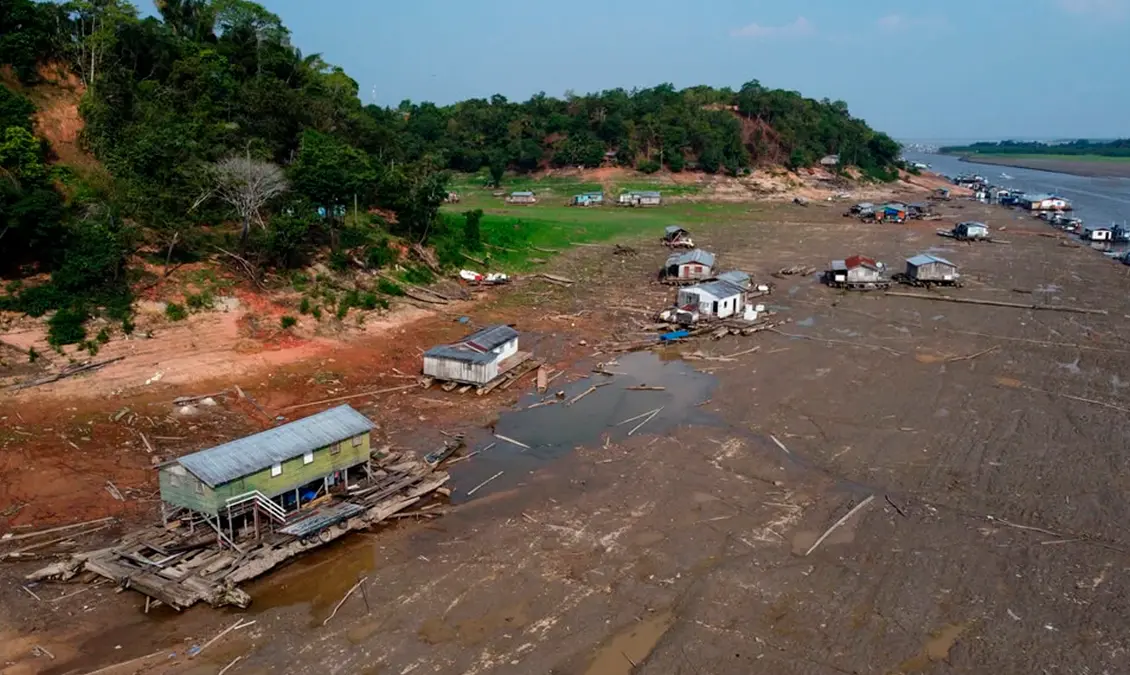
(208, 133)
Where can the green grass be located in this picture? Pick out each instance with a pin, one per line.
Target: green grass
(556, 227)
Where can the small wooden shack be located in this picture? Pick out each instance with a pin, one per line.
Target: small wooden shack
(521, 197)
(477, 359)
(263, 477)
(718, 298)
(691, 265)
(930, 269)
(674, 236)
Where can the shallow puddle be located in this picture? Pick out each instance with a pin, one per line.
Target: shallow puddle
(553, 430)
(629, 647)
(937, 648)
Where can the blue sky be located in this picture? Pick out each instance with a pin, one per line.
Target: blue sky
(923, 69)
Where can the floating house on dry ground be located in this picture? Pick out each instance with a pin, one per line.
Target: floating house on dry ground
(675, 236)
(688, 266)
(1044, 202)
(857, 273)
(971, 230)
(259, 480)
(929, 270)
(587, 199)
(717, 298)
(477, 359)
(640, 198)
(521, 197)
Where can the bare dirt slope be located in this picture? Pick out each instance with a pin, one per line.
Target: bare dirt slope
(987, 439)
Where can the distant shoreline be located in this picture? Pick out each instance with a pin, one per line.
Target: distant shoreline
(1089, 169)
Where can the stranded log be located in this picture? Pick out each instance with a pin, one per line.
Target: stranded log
(998, 303)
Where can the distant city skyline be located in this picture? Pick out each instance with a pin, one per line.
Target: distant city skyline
(929, 69)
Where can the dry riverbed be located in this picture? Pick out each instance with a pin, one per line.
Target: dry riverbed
(977, 451)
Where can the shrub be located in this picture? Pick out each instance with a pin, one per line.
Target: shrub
(299, 280)
(304, 306)
(380, 255)
(419, 275)
(342, 310)
(389, 287)
(175, 312)
(199, 301)
(128, 326)
(91, 346)
(66, 327)
(32, 355)
(339, 261)
(316, 313)
(288, 322)
(676, 162)
(369, 301)
(103, 336)
(649, 166)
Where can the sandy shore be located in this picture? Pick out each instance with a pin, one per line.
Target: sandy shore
(1091, 169)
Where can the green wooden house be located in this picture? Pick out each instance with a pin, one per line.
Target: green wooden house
(272, 472)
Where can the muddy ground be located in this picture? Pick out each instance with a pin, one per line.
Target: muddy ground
(988, 440)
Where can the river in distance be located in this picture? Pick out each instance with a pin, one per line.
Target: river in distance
(1098, 201)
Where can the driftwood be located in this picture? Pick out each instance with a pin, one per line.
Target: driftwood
(554, 279)
(61, 528)
(836, 342)
(230, 664)
(846, 517)
(543, 379)
(511, 441)
(351, 396)
(482, 484)
(780, 445)
(633, 419)
(481, 263)
(645, 387)
(65, 373)
(222, 633)
(646, 420)
(344, 598)
(970, 357)
(997, 303)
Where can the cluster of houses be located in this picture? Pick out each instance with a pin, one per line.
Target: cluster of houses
(891, 212)
(704, 293)
(861, 273)
(629, 198)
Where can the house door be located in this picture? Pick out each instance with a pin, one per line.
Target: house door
(716, 308)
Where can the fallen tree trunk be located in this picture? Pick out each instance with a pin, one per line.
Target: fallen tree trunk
(998, 303)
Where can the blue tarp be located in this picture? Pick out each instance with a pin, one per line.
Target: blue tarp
(674, 335)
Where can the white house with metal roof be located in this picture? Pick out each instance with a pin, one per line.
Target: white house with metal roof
(477, 359)
(715, 298)
(640, 198)
(931, 269)
(272, 472)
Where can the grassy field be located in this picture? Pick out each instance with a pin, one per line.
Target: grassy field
(514, 234)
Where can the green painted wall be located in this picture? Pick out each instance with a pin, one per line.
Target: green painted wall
(294, 474)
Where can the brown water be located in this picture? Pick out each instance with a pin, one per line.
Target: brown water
(628, 648)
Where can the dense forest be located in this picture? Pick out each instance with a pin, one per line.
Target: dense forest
(207, 115)
(1119, 148)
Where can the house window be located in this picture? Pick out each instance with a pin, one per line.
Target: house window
(308, 458)
(276, 469)
(199, 488)
(356, 441)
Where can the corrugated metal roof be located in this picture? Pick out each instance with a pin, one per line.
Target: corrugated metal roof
(719, 289)
(973, 224)
(245, 456)
(839, 266)
(475, 348)
(697, 256)
(649, 193)
(672, 229)
(736, 277)
(524, 193)
(860, 261)
(926, 259)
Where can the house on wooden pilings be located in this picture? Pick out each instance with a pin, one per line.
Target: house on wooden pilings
(477, 359)
(717, 298)
(259, 480)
